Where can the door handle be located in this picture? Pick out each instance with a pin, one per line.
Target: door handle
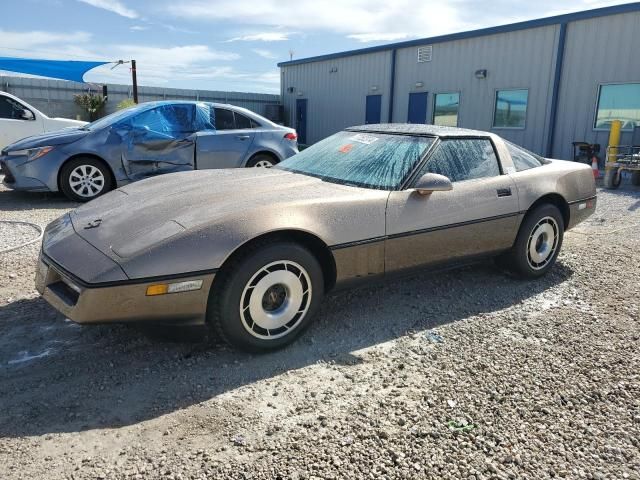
(243, 137)
(504, 192)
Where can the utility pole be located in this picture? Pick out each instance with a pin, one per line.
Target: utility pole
(134, 77)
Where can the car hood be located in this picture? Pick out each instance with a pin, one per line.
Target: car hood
(58, 137)
(129, 221)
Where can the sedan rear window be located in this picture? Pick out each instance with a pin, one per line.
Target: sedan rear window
(371, 160)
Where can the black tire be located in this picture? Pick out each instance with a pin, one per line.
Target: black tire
(97, 181)
(520, 259)
(635, 178)
(612, 178)
(241, 286)
(261, 160)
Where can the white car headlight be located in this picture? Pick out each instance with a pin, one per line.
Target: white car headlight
(31, 153)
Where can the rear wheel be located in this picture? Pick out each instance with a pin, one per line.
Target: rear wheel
(612, 178)
(84, 178)
(635, 178)
(538, 243)
(261, 160)
(267, 297)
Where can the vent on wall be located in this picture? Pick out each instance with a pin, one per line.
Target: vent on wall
(425, 53)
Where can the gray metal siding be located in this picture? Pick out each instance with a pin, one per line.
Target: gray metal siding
(597, 51)
(336, 100)
(600, 50)
(522, 59)
(55, 97)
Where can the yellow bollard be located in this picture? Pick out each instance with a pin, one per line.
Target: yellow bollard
(614, 141)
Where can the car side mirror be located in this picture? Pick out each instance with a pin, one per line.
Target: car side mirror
(27, 115)
(433, 182)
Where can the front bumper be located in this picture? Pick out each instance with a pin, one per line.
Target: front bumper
(39, 175)
(16, 181)
(120, 301)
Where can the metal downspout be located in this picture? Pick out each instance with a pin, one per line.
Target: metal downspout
(556, 89)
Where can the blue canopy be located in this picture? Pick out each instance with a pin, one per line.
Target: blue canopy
(63, 69)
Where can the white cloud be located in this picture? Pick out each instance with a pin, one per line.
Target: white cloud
(262, 37)
(26, 40)
(265, 53)
(344, 16)
(373, 20)
(138, 28)
(114, 6)
(176, 56)
(378, 37)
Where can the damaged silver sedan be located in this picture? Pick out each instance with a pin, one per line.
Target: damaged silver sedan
(144, 141)
(251, 253)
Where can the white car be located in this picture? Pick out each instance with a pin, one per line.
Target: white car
(18, 120)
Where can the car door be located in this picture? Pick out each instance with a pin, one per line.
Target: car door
(227, 146)
(159, 140)
(17, 121)
(479, 216)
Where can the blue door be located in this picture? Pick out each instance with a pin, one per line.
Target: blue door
(374, 109)
(301, 120)
(417, 107)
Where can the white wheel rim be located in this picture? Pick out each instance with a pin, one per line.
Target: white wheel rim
(542, 243)
(86, 181)
(264, 163)
(275, 300)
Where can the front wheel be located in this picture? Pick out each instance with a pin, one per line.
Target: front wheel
(83, 179)
(537, 244)
(266, 297)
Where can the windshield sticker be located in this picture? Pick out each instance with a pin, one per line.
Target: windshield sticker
(364, 138)
(346, 148)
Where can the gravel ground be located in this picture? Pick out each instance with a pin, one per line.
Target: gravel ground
(469, 374)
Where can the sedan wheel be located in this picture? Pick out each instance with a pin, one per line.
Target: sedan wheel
(261, 160)
(264, 163)
(86, 181)
(265, 297)
(83, 179)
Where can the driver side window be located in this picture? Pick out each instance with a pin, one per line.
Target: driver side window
(167, 119)
(463, 159)
(11, 109)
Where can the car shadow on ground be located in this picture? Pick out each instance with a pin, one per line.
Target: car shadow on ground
(57, 376)
(16, 201)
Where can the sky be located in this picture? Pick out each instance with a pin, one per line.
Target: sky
(236, 45)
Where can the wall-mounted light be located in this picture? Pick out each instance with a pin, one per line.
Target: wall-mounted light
(374, 87)
(419, 84)
(333, 70)
(291, 89)
(481, 74)
(300, 93)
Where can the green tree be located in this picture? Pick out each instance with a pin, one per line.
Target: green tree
(126, 103)
(92, 103)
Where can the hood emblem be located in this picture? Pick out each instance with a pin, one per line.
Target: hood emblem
(93, 224)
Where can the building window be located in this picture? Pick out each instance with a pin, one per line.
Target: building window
(618, 102)
(445, 109)
(511, 108)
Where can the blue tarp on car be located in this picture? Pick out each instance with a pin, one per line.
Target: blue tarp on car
(62, 69)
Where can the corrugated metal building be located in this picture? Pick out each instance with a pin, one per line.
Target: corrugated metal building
(542, 83)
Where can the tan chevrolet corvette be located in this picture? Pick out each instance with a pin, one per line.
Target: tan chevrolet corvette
(252, 252)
